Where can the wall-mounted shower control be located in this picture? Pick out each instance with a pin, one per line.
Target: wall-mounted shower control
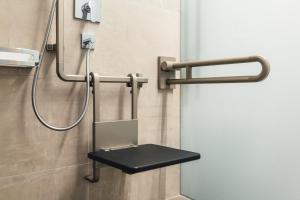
(89, 10)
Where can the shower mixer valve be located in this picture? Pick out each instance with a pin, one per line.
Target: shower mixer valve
(86, 8)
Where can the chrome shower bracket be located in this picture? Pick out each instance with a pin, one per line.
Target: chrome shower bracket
(89, 10)
(164, 75)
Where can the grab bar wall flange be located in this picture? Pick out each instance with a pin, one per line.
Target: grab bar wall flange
(164, 73)
(167, 67)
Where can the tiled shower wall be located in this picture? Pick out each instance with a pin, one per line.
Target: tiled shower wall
(40, 164)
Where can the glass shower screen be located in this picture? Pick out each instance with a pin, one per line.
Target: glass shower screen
(247, 134)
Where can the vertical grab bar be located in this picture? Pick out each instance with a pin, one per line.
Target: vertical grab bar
(60, 46)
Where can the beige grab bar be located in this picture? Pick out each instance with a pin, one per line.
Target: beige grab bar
(170, 66)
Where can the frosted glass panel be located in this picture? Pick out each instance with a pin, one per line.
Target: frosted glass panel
(248, 134)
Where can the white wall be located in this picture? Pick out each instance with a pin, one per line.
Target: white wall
(248, 134)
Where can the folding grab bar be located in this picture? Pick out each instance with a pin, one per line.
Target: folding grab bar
(167, 68)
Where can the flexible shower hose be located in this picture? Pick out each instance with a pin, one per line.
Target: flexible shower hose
(36, 75)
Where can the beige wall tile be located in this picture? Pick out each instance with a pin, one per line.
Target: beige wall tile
(65, 183)
(26, 146)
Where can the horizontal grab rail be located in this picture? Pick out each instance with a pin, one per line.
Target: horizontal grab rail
(116, 79)
(171, 66)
